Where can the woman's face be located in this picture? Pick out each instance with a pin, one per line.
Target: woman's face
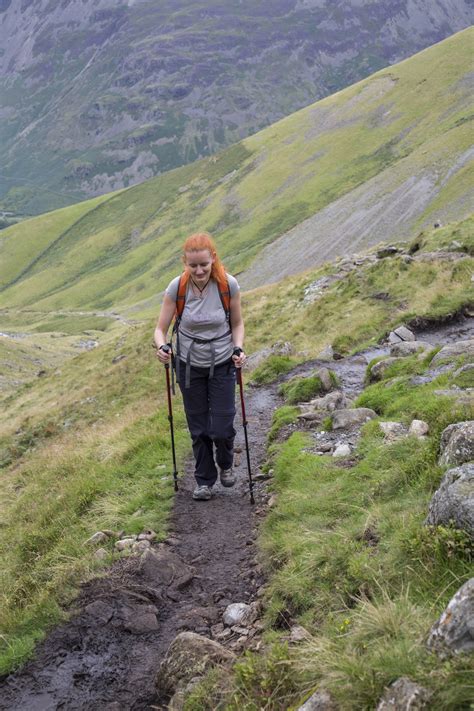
(199, 265)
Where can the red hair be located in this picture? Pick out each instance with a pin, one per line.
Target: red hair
(202, 240)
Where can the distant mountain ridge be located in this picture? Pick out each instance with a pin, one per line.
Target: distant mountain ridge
(101, 94)
(374, 162)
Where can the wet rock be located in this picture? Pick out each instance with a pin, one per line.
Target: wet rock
(404, 695)
(377, 371)
(407, 348)
(348, 418)
(239, 613)
(454, 631)
(142, 619)
(392, 430)
(453, 502)
(101, 611)
(457, 443)
(418, 428)
(342, 450)
(163, 566)
(189, 655)
(454, 350)
(319, 701)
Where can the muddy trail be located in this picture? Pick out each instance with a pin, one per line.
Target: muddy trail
(105, 658)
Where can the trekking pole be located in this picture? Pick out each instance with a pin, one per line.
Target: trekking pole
(167, 349)
(244, 422)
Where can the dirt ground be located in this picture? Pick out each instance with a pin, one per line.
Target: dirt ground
(106, 656)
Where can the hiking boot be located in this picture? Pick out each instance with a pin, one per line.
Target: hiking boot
(202, 493)
(227, 477)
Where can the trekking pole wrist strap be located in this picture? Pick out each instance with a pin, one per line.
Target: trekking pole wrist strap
(237, 351)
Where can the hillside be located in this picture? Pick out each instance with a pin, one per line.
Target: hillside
(86, 448)
(102, 94)
(395, 147)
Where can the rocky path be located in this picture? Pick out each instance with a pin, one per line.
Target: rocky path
(106, 657)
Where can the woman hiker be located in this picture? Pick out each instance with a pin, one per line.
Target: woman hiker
(209, 339)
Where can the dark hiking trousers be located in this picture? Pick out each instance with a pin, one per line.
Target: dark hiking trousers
(209, 404)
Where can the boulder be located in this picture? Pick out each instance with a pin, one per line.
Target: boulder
(189, 655)
(407, 348)
(419, 428)
(453, 633)
(404, 334)
(324, 374)
(319, 701)
(348, 418)
(392, 430)
(377, 371)
(342, 450)
(454, 350)
(457, 443)
(453, 502)
(141, 619)
(336, 400)
(404, 695)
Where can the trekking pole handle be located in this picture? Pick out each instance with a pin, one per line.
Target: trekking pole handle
(237, 351)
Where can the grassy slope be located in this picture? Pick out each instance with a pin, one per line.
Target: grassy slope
(81, 448)
(120, 250)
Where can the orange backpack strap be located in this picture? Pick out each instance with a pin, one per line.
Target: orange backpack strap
(181, 295)
(224, 293)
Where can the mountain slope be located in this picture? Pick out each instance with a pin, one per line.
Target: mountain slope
(402, 124)
(99, 95)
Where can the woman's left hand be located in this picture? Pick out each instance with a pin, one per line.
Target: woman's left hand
(239, 360)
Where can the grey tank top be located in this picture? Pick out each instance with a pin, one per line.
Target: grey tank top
(204, 317)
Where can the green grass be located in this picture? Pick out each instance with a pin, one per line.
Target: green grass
(301, 389)
(271, 368)
(121, 249)
(348, 556)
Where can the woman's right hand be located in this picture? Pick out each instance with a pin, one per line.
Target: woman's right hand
(163, 353)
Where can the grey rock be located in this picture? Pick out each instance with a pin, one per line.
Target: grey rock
(454, 350)
(392, 430)
(239, 613)
(454, 631)
(348, 418)
(140, 546)
(336, 400)
(457, 443)
(100, 554)
(163, 566)
(125, 544)
(453, 502)
(189, 655)
(342, 450)
(147, 536)
(418, 428)
(404, 695)
(393, 338)
(326, 354)
(319, 701)
(142, 619)
(325, 377)
(99, 537)
(407, 348)
(101, 611)
(298, 634)
(405, 334)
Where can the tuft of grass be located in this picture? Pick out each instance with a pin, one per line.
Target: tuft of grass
(301, 389)
(274, 366)
(285, 415)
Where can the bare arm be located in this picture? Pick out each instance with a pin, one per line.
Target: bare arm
(162, 327)
(237, 327)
